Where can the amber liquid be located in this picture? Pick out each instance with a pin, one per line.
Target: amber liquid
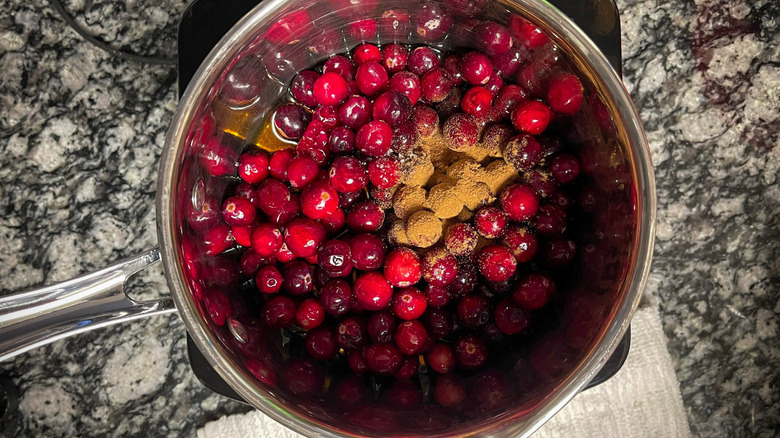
(251, 125)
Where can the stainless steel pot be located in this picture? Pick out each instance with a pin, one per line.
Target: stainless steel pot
(240, 81)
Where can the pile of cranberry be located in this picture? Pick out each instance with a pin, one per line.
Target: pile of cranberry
(311, 221)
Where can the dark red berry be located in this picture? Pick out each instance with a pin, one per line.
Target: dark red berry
(383, 358)
(509, 96)
(439, 267)
(402, 267)
(368, 252)
(476, 101)
(238, 212)
(310, 314)
(204, 217)
(351, 333)
(404, 138)
(303, 236)
(278, 312)
(493, 38)
(319, 200)
(341, 65)
(218, 307)
(330, 89)
(564, 168)
(301, 171)
(519, 202)
(381, 327)
(217, 239)
(298, 277)
(251, 262)
(374, 138)
(471, 352)
(557, 253)
(534, 291)
(372, 291)
(392, 107)
(435, 85)
(320, 342)
(451, 65)
(461, 132)
(362, 30)
(403, 392)
(355, 112)
(506, 64)
(302, 87)
(347, 200)
(461, 239)
(437, 296)
(335, 258)
(348, 174)
(522, 242)
(439, 322)
(449, 390)
(490, 222)
(365, 217)
(565, 94)
(284, 255)
(550, 221)
(366, 53)
(473, 311)
(279, 163)
(269, 279)
(272, 195)
(411, 337)
(409, 303)
(531, 117)
(336, 297)
(341, 140)
(327, 116)
(421, 60)
(527, 33)
(384, 172)
(266, 239)
(476, 68)
(303, 376)
(433, 22)
(497, 263)
(425, 119)
(217, 158)
(441, 358)
(394, 57)
(289, 211)
(523, 152)
(253, 166)
(466, 280)
(407, 83)
(357, 363)
(372, 78)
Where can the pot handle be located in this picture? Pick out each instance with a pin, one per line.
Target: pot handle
(39, 317)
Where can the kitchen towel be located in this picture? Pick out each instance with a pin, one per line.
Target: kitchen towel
(642, 400)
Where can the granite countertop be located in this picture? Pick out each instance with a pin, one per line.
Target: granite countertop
(81, 134)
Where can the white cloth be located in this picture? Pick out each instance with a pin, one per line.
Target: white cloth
(641, 401)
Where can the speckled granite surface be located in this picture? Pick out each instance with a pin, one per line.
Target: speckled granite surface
(81, 134)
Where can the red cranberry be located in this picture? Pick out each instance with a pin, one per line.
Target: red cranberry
(466, 8)
(291, 121)
(461, 240)
(351, 333)
(392, 107)
(495, 84)
(253, 166)
(409, 303)
(357, 363)
(314, 142)
(565, 94)
(534, 291)
(384, 172)
(278, 312)
(540, 182)
(310, 314)
(335, 258)
(383, 358)
(303, 376)
(394, 57)
(346, 200)
(266, 239)
(564, 168)
(251, 262)
(471, 352)
(261, 371)
(362, 30)
(341, 65)
(335, 222)
(217, 239)
(476, 68)
(439, 267)
(411, 337)
(279, 163)
(217, 158)
(402, 267)
(394, 25)
(466, 280)
(355, 112)
(451, 65)
(435, 85)
(403, 392)
(330, 89)
(550, 221)
(269, 279)
(407, 83)
(284, 255)
(461, 132)
(365, 217)
(523, 152)
(383, 197)
(381, 327)
(441, 358)
(531, 117)
(425, 119)
(437, 296)
(327, 116)
(433, 22)
(368, 252)
(506, 64)
(421, 60)
(372, 291)
(302, 87)
(527, 33)
(320, 343)
(449, 390)
(348, 174)
(404, 138)
(366, 53)
(319, 200)
(439, 322)
(289, 211)
(493, 38)
(341, 140)
(490, 222)
(509, 96)
(336, 297)
(497, 263)
(303, 236)
(473, 311)
(218, 307)
(301, 171)
(372, 78)
(476, 101)
(290, 26)
(238, 212)
(519, 202)
(522, 242)
(374, 138)
(557, 253)
(272, 195)
(205, 217)
(298, 277)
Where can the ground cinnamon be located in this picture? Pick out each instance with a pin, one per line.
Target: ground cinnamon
(423, 229)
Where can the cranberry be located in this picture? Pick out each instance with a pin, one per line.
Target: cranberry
(355, 112)
(261, 371)
(383, 197)
(383, 358)
(217, 158)
(374, 138)
(557, 253)
(435, 85)
(298, 277)
(471, 352)
(357, 363)
(564, 168)
(439, 322)
(238, 212)
(253, 166)
(381, 326)
(351, 333)
(425, 119)
(302, 170)
(403, 392)
(289, 27)
(278, 312)
(441, 359)
(404, 138)
(433, 22)
(527, 33)
(523, 152)
(466, 280)
(451, 65)
(303, 376)
(320, 343)
(519, 202)
(384, 172)
(314, 142)
(506, 64)
(310, 314)
(341, 140)
(476, 101)
(217, 239)
(205, 217)
(303, 236)
(351, 390)
(497, 263)
(393, 24)
(394, 57)
(490, 222)
(550, 221)
(476, 68)
(348, 174)
(362, 30)
(407, 83)
(411, 337)
(473, 311)
(439, 267)
(493, 38)
(302, 87)
(534, 291)
(336, 297)
(218, 307)
(531, 117)
(449, 390)
(319, 200)
(284, 255)
(421, 60)
(279, 163)
(269, 279)
(341, 65)
(366, 53)
(365, 217)
(368, 252)
(402, 267)
(289, 211)
(251, 262)
(335, 258)
(335, 222)
(565, 94)
(540, 182)
(466, 8)
(392, 107)
(372, 291)
(461, 239)
(409, 303)
(272, 195)
(437, 296)
(522, 242)
(327, 116)
(347, 200)
(266, 239)
(372, 78)
(461, 132)
(330, 89)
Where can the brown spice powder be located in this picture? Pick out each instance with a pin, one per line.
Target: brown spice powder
(423, 229)
(443, 201)
(408, 200)
(416, 168)
(396, 234)
(498, 175)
